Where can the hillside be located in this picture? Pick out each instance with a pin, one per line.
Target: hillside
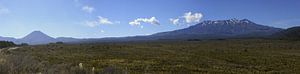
(290, 33)
(232, 28)
(36, 37)
(218, 29)
(7, 39)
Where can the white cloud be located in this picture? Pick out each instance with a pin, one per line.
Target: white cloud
(88, 9)
(138, 21)
(192, 18)
(100, 21)
(103, 20)
(175, 21)
(187, 18)
(134, 23)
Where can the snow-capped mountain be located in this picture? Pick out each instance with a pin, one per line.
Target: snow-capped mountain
(232, 28)
(221, 29)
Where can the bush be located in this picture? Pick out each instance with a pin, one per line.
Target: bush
(59, 43)
(4, 44)
(24, 44)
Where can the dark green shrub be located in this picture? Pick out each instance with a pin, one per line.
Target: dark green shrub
(59, 42)
(24, 44)
(4, 44)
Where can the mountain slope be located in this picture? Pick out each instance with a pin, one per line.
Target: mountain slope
(290, 33)
(36, 37)
(67, 39)
(232, 28)
(7, 39)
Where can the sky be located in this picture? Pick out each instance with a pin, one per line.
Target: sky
(118, 18)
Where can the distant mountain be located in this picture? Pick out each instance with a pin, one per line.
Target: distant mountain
(36, 37)
(290, 33)
(67, 39)
(220, 29)
(7, 39)
(232, 28)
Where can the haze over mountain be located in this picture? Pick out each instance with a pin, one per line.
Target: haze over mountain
(232, 28)
(7, 39)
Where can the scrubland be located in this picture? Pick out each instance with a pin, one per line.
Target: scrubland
(155, 57)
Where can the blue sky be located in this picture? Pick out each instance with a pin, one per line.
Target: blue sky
(116, 18)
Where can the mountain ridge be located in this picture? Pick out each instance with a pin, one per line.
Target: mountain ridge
(37, 37)
(223, 28)
(290, 33)
(217, 29)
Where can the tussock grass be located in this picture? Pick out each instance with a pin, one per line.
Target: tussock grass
(211, 56)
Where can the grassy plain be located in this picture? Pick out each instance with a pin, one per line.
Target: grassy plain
(183, 57)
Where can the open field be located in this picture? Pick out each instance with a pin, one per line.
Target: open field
(185, 57)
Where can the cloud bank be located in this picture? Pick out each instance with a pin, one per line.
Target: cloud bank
(100, 21)
(192, 18)
(174, 21)
(138, 21)
(187, 18)
(103, 20)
